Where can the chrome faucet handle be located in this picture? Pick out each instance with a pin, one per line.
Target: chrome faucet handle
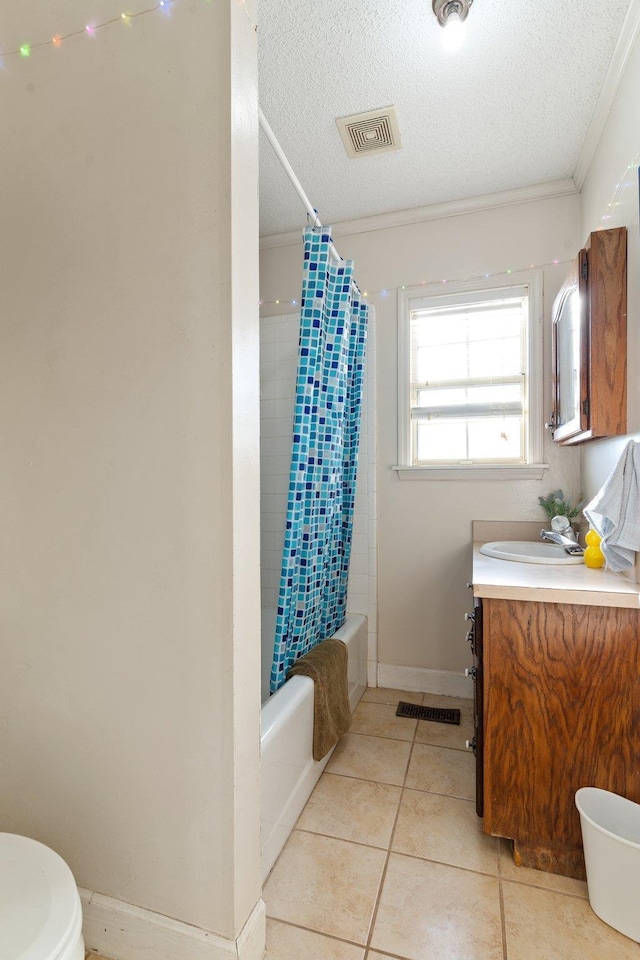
(562, 526)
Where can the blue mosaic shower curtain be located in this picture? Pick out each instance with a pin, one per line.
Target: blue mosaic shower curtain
(326, 432)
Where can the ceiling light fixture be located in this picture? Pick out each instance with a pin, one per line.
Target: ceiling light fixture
(451, 16)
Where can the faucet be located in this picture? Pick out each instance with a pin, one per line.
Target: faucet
(563, 534)
(559, 538)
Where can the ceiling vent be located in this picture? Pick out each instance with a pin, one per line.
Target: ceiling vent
(373, 132)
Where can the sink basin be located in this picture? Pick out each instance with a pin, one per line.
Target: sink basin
(528, 552)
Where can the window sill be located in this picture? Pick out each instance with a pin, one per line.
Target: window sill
(531, 471)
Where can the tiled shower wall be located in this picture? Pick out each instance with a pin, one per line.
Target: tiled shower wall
(278, 361)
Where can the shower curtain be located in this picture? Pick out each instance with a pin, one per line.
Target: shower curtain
(326, 430)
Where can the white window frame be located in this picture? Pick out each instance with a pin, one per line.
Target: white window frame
(533, 468)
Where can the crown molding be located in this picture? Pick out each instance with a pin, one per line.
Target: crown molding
(438, 211)
(617, 66)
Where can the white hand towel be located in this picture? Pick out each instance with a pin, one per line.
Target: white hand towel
(614, 512)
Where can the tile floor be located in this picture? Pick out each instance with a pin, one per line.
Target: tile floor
(388, 860)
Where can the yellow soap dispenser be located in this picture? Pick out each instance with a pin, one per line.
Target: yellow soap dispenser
(593, 555)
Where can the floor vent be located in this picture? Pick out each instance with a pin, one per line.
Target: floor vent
(438, 714)
(373, 132)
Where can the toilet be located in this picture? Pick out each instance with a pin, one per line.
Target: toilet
(40, 910)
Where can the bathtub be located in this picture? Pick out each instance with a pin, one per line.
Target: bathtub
(288, 771)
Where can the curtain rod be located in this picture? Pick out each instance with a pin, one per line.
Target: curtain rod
(288, 169)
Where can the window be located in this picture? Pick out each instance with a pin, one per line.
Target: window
(470, 380)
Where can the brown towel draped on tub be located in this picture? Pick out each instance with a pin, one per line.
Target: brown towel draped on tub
(326, 664)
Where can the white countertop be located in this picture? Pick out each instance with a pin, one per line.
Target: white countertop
(545, 583)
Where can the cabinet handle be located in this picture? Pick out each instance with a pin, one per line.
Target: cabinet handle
(470, 616)
(469, 586)
(471, 744)
(471, 672)
(470, 637)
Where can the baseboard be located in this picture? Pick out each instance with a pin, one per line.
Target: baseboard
(442, 683)
(122, 931)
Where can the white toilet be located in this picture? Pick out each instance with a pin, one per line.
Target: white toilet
(40, 910)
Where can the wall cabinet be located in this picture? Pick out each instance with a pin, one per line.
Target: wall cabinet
(589, 341)
(561, 697)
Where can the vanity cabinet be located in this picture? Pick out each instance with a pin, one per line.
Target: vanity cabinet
(561, 694)
(589, 342)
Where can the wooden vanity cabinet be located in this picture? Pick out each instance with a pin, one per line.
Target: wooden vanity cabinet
(561, 711)
(589, 342)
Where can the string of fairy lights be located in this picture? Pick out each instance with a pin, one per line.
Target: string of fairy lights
(387, 291)
(627, 180)
(164, 6)
(91, 29)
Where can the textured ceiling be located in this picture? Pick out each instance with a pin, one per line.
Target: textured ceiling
(511, 109)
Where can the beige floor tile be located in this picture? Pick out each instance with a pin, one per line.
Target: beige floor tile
(444, 829)
(388, 695)
(291, 943)
(429, 911)
(379, 720)
(538, 878)
(374, 955)
(439, 770)
(350, 809)
(544, 925)
(449, 735)
(327, 885)
(371, 758)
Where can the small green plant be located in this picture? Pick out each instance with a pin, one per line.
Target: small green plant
(556, 505)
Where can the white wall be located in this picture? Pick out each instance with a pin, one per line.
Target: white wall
(424, 527)
(129, 689)
(619, 147)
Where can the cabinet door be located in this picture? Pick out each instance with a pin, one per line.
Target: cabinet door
(562, 711)
(589, 338)
(608, 333)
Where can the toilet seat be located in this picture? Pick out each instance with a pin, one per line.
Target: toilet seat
(40, 910)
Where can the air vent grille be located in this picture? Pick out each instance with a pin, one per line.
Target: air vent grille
(373, 132)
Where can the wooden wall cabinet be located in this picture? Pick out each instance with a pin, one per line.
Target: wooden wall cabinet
(589, 342)
(561, 711)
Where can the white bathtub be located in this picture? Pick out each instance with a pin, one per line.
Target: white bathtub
(288, 771)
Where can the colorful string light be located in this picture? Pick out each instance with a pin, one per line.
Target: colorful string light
(432, 283)
(25, 50)
(623, 183)
(90, 29)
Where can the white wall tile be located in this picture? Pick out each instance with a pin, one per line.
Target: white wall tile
(283, 407)
(359, 563)
(283, 388)
(267, 409)
(359, 544)
(267, 389)
(268, 483)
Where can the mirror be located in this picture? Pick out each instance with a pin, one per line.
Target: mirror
(570, 354)
(568, 359)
